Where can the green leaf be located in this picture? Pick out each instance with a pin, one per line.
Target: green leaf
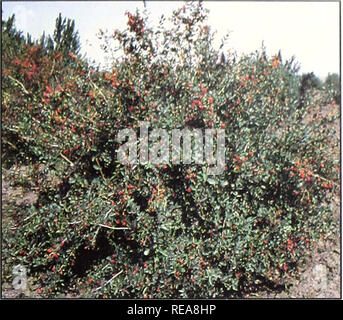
(211, 181)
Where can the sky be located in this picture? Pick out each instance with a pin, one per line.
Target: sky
(307, 30)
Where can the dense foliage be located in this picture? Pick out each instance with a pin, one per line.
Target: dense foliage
(103, 229)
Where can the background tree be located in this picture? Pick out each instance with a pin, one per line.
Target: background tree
(332, 85)
(308, 83)
(65, 38)
(12, 39)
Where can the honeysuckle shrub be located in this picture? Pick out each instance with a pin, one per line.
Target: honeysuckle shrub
(103, 229)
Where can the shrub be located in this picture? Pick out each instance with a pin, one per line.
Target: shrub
(168, 231)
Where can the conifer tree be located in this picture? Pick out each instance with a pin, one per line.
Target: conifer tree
(65, 38)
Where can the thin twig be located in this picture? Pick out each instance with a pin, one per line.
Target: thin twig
(97, 231)
(65, 158)
(102, 174)
(9, 143)
(322, 178)
(97, 88)
(112, 228)
(75, 222)
(107, 282)
(53, 67)
(31, 216)
(22, 86)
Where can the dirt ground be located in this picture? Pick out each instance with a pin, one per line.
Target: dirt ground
(321, 277)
